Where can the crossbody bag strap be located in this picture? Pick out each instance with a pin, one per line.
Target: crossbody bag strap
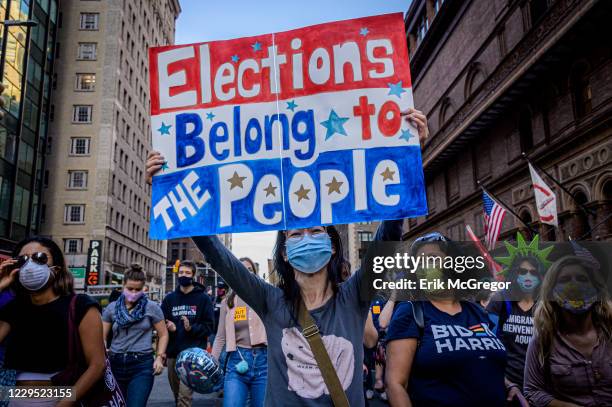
(310, 330)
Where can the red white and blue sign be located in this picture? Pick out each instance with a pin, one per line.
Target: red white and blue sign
(285, 130)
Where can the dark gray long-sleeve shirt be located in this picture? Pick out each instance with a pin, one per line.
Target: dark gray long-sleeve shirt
(294, 378)
(571, 377)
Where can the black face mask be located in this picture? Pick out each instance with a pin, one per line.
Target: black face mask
(185, 281)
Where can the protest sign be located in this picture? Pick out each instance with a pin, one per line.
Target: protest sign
(285, 130)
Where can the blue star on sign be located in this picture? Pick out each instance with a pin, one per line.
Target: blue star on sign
(335, 124)
(235, 58)
(164, 129)
(396, 89)
(292, 105)
(164, 165)
(406, 135)
(364, 31)
(256, 46)
(210, 116)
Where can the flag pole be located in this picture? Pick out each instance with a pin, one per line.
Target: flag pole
(557, 183)
(507, 208)
(598, 224)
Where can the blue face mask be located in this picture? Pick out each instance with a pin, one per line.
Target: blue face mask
(310, 254)
(527, 282)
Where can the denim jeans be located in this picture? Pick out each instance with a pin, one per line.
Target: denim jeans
(134, 373)
(237, 387)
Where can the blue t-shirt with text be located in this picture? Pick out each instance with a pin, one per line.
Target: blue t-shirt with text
(459, 361)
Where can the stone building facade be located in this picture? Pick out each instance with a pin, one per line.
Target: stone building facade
(500, 77)
(100, 134)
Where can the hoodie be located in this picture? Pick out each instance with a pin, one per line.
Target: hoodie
(197, 307)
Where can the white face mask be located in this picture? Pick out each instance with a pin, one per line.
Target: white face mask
(34, 276)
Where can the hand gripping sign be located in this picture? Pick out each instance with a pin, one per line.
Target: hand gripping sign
(285, 130)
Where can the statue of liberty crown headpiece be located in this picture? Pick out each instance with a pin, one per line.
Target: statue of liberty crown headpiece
(523, 249)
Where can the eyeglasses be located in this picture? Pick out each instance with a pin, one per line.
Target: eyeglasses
(523, 271)
(297, 235)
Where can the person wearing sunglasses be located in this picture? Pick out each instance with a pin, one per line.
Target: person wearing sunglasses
(37, 320)
(569, 360)
(243, 335)
(132, 319)
(526, 266)
(441, 350)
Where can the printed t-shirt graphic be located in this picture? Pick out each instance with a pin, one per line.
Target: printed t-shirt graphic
(458, 362)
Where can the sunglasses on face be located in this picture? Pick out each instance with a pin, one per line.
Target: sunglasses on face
(38, 257)
(523, 271)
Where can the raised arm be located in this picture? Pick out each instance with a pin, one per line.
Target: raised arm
(252, 289)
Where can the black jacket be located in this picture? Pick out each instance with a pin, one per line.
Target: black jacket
(197, 307)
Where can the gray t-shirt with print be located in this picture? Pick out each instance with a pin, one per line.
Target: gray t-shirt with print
(294, 378)
(137, 337)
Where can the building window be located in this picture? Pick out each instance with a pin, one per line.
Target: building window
(87, 51)
(79, 146)
(437, 4)
(73, 246)
(525, 130)
(82, 114)
(537, 8)
(581, 89)
(89, 21)
(77, 179)
(422, 27)
(74, 214)
(85, 82)
(365, 236)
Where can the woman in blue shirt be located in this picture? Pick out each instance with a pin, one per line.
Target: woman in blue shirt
(442, 352)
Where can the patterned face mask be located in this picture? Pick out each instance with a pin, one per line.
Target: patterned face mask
(574, 296)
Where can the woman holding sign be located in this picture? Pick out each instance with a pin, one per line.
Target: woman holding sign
(243, 334)
(310, 318)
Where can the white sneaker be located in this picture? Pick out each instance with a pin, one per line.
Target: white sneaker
(383, 396)
(369, 394)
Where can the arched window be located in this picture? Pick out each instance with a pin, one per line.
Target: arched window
(607, 190)
(581, 220)
(581, 89)
(446, 112)
(537, 8)
(474, 79)
(525, 129)
(526, 219)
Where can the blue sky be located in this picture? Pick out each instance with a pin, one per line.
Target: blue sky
(208, 20)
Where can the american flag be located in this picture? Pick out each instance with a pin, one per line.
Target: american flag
(584, 254)
(493, 217)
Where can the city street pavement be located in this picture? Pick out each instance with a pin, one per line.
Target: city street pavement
(161, 396)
